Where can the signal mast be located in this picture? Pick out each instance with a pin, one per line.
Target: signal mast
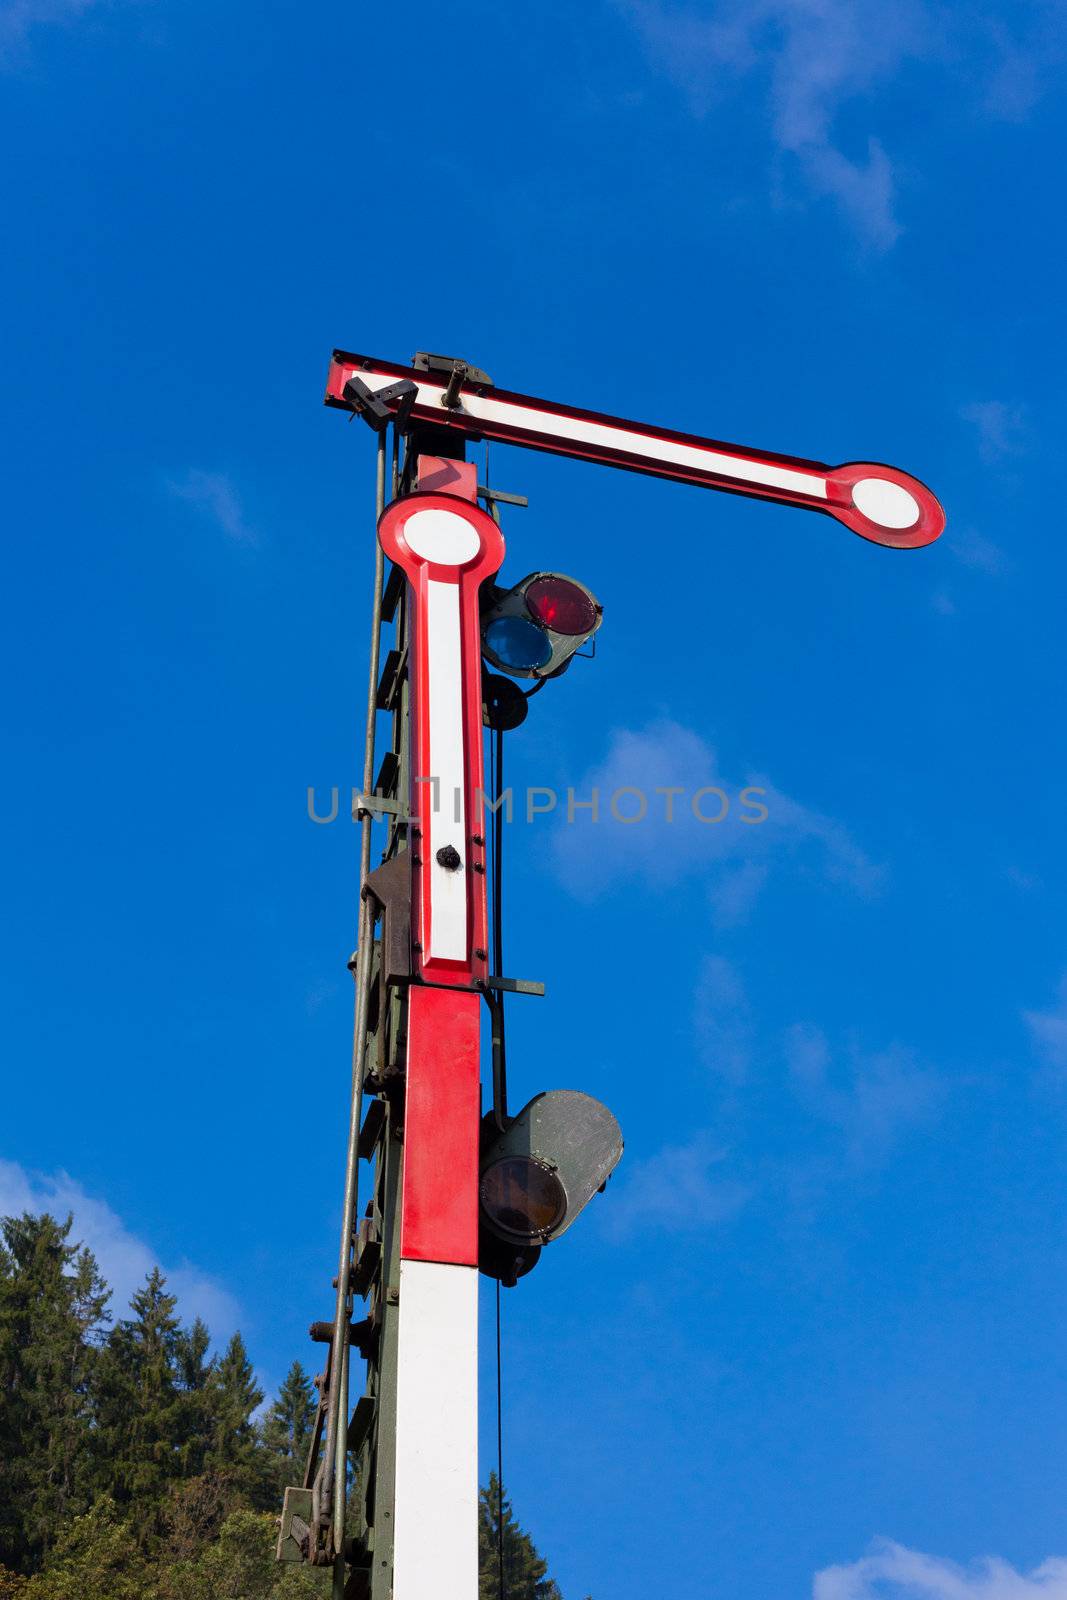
(390, 1489)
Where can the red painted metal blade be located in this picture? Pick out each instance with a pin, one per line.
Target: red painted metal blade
(879, 502)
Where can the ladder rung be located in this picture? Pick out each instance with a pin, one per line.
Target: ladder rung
(385, 782)
(388, 681)
(393, 590)
(370, 1132)
(362, 1421)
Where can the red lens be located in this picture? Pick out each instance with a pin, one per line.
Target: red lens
(560, 605)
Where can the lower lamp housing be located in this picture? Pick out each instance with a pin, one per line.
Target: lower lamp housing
(538, 1174)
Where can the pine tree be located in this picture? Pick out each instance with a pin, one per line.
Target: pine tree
(525, 1571)
(139, 1405)
(52, 1305)
(287, 1429)
(234, 1451)
(132, 1466)
(194, 1372)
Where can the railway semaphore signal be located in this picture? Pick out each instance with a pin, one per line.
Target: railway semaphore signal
(389, 1497)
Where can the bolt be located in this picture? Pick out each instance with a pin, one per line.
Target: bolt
(449, 857)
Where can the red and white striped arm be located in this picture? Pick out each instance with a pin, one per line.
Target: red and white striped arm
(880, 503)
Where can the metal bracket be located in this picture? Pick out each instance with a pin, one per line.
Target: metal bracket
(390, 887)
(425, 362)
(492, 495)
(361, 1335)
(515, 985)
(373, 404)
(377, 806)
(294, 1535)
(450, 398)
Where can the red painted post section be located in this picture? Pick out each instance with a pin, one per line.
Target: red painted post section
(443, 475)
(440, 1186)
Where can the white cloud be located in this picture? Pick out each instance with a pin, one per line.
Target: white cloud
(215, 497)
(893, 1572)
(872, 1097)
(1001, 427)
(974, 550)
(735, 892)
(677, 1189)
(721, 1019)
(735, 854)
(123, 1258)
(823, 60)
(1026, 60)
(1048, 1031)
(18, 18)
(821, 56)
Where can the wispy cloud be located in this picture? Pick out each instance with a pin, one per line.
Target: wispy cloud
(974, 550)
(1001, 427)
(18, 18)
(734, 893)
(679, 1189)
(124, 1259)
(823, 61)
(215, 498)
(1027, 56)
(1048, 1031)
(871, 1097)
(733, 855)
(821, 56)
(722, 1020)
(893, 1572)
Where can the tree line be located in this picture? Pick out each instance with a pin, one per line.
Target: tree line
(137, 1465)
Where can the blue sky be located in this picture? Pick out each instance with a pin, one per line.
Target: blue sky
(810, 1343)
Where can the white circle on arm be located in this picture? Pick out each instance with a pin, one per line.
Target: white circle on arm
(888, 504)
(441, 536)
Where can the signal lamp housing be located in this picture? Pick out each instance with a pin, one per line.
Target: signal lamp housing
(533, 629)
(539, 1174)
(504, 704)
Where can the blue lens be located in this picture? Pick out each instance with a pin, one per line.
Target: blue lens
(518, 643)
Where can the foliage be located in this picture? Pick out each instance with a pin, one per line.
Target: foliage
(239, 1562)
(133, 1462)
(287, 1429)
(52, 1305)
(525, 1571)
(95, 1557)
